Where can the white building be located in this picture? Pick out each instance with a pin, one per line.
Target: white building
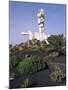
(40, 35)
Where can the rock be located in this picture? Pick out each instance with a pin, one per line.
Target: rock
(54, 54)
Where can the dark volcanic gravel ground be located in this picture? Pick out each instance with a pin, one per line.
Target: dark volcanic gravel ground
(39, 79)
(31, 52)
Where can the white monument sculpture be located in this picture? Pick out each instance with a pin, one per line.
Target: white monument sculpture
(41, 34)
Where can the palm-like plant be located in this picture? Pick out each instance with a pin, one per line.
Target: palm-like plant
(56, 42)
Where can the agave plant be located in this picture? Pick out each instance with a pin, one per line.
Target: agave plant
(26, 83)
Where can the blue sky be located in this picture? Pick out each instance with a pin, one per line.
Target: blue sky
(23, 17)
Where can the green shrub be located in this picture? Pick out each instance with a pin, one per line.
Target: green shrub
(14, 61)
(30, 65)
(26, 83)
(56, 43)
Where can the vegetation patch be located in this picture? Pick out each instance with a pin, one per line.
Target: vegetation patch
(58, 75)
(31, 64)
(26, 83)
